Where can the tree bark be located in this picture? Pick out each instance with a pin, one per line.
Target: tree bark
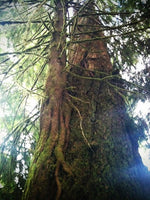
(55, 116)
(88, 146)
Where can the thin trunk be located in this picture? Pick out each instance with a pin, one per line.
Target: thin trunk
(54, 122)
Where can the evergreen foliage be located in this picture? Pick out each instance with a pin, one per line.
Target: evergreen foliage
(27, 32)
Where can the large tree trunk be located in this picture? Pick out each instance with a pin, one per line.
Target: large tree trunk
(88, 148)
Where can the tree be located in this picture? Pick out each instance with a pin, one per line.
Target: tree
(88, 142)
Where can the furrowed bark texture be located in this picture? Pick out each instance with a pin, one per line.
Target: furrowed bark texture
(43, 182)
(88, 148)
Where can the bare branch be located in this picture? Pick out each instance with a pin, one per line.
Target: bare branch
(3, 23)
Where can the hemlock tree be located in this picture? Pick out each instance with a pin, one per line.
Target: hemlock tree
(87, 146)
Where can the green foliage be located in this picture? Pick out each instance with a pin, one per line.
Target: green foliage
(24, 60)
(22, 134)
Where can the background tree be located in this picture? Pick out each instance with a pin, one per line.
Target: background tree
(87, 147)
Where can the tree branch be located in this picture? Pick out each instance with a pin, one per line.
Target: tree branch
(3, 23)
(107, 37)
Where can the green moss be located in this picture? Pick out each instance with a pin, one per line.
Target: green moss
(59, 154)
(29, 180)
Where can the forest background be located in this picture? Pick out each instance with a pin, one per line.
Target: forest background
(69, 86)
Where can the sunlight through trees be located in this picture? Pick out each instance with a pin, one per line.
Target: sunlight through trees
(74, 108)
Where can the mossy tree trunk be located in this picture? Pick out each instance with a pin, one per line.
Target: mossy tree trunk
(87, 148)
(54, 122)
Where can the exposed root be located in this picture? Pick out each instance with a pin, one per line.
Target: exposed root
(60, 157)
(64, 117)
(81, 126)
(57, 181)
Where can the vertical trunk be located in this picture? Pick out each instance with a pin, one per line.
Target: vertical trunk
(103, 148)
(55, 115)
(87, 147)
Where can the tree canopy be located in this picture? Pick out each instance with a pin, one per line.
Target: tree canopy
(27, 33)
